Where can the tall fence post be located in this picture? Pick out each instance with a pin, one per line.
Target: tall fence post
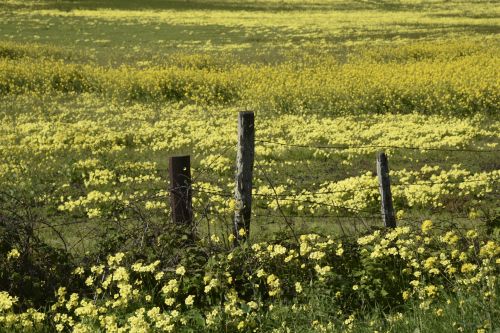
(180, 190)
(385, 191)
(244, 171)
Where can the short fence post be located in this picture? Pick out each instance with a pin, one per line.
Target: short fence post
(180, 190)
(385, 191)
(244, 170)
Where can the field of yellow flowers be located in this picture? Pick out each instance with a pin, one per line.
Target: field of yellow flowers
(96, 95)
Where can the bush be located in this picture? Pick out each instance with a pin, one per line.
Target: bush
(250, 287)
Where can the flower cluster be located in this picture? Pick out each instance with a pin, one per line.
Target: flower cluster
(405, 264)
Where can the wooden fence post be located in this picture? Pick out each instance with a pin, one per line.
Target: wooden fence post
(180, 190)
(244, 171)
(385, 191)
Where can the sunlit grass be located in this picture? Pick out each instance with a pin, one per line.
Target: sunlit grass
(96, 95)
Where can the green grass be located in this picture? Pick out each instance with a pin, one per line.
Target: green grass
(117, 32)
(464, 313)
(80, 82)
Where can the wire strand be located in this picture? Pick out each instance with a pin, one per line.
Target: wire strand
(347, 147)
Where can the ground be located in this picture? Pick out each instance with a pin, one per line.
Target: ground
(96, 95)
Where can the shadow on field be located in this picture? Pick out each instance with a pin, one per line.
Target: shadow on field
(468, 15)
(233, 5)
(431, 28)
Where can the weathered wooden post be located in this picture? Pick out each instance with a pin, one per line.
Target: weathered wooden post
(385, 191)
(180, 190)
(244, 174)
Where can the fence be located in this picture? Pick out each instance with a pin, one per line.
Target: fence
(181, 184)
(260, 201)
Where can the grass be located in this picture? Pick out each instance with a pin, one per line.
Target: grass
(459, 314)
(157, 29)
(95, 95)
(125, 134)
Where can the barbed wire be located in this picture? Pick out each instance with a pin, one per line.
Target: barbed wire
(347, 147)
(296, 195)
(288, 223)
(300, 197)
(312, 216)
(203, 170)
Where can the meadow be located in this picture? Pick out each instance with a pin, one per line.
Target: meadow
(96, 95)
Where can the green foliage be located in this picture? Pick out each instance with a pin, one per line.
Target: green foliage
(34, 270)
(332, 284)
(88, 117)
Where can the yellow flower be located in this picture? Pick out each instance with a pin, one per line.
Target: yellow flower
(431, 290)
(116, 259)
(78, 271)
(189, 300)
(215, 239)
(426, 226)
(6, 301)
(180, 270)
(274, 284)
(13, 254)
(212, 284)
(316, 255)
(322, 270)
(472, 234)
(429, 262)
(256, 247)
(89, 281)
(468, 267)
(120, 274)
(253, 305)
(171, 287)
